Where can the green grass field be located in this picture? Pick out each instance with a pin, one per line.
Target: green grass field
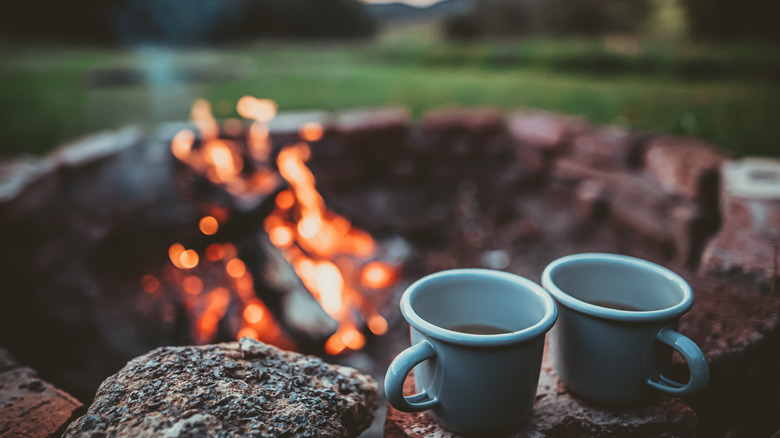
(729, 96)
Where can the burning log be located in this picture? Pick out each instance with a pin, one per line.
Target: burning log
(277, 284)
(243, 388)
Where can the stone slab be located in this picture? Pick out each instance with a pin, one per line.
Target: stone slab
(29, 406)
(558, 413)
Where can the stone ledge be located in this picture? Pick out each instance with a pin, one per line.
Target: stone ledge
(30, 407)
(750, 205)
(557, 413)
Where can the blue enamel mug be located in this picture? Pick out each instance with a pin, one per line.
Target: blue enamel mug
(477, 340)
(617, 326)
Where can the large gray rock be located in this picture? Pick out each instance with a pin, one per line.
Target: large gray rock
(243, 388)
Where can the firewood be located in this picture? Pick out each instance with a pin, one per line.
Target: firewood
(277, 284)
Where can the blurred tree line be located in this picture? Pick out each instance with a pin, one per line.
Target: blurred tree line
(182, 21)
(213, 21)
(716, 20)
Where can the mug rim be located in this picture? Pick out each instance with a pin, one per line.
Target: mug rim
(474, 340)
(576, 304)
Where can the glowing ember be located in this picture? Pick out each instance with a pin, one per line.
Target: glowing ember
(262, 110)
(188, 259)
(285, 200)
(150, 284)
(192, 284)
(174, 251)
(235, 268)
(208, 225)
(377, 275)
(182, 144)
(329, 284)
(229, 250)
(204, 120)
(215, 252)
(253, 313)
(354, 339)
(281, 236)
(259, 141)
(247, 332)
(377, 325)
(311, 131)
(334, 345)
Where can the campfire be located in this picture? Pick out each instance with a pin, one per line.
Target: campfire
(335, 260)
(208, 231)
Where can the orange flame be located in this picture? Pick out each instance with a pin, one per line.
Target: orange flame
(204, 120)
(262, 110)
(377, 275)
(377, 324)
(253, 313)
(285, 200)
(208, 225)
(235, 268)
(189, 259)
(181, 145)
(311, 131)
(321, 237)
(325, 250)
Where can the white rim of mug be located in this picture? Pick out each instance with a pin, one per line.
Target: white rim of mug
(614, 314)
(539, 328)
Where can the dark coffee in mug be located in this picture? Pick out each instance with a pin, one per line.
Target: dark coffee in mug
(616, 306)
(478, 329)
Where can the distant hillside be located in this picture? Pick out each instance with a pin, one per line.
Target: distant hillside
(395, 12)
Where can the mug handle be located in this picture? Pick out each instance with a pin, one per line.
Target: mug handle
(396, 374)
(697, 364)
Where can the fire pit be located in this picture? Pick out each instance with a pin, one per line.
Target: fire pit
(206, 232)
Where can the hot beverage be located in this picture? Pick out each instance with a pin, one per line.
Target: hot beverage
(478, 329)
(616, 306)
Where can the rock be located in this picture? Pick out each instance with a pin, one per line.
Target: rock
(240, 388)
(750, 199)
(677, 226)
(18, 173)
(29, 406)
(545, 130)
(684, 167)
(738, 330)
(591, 200)
(557, 413)
(360, 147)
(483, 120)
(289, 122)
(607, 148)
(96, 147)
(361, 120)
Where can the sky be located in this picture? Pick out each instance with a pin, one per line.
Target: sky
(418, 3)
